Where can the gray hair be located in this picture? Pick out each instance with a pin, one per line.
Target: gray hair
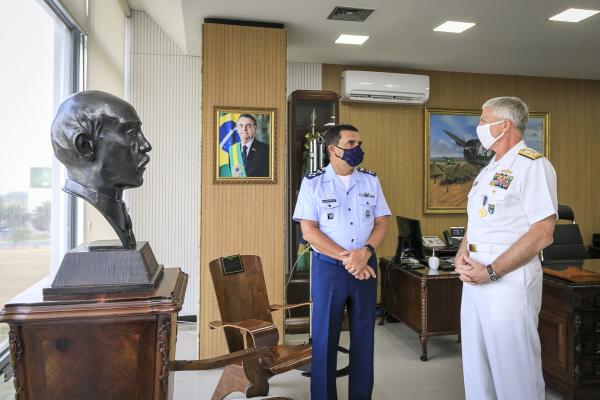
(511, 108)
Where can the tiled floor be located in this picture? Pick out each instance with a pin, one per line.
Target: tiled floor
(399, 374)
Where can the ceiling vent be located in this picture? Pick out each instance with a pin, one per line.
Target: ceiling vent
(350, 14)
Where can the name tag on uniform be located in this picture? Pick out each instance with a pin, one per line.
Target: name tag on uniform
(501, 180)
(367, 195)
(329, 200)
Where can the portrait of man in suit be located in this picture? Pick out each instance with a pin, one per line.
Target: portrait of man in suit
(255, 154)
(245, 140)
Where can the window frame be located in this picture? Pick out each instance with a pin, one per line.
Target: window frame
(77, 81)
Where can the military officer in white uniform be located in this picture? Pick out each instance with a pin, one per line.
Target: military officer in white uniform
(512, 209)
(343, 215)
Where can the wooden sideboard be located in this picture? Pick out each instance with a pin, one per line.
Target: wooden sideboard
(427, 301)
(569, 327)
(115, 346)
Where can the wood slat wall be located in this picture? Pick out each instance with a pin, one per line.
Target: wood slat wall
(393, 138)
(242, 67)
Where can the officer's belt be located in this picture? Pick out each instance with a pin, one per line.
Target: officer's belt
(487, 248)
(327, 258)
(334, 260)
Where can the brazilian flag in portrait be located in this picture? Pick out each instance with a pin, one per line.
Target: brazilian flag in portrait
(230, 154)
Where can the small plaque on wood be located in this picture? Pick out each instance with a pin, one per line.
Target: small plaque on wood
(232, 265)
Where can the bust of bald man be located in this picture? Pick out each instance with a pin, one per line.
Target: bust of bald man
(98, 137)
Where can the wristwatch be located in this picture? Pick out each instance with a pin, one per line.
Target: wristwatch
(370, 248)
(493, 276)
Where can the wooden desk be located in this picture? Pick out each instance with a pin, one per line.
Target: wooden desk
(570, 331)
(114, 346)
(427, 301)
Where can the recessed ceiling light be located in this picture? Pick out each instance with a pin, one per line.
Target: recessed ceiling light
(351, 39)
(573, 15)
(454, 26)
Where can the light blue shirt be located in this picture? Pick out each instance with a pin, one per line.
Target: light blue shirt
(346, 216)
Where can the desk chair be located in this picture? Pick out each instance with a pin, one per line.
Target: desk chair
(247, 323)
(568, 242)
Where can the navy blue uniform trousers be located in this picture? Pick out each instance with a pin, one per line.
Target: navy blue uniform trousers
(334, 288)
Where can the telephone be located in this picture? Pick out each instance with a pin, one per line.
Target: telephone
(454, 236)
(433, 242)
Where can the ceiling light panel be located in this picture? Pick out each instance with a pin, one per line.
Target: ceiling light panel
(573, 15)
(454, 26)
(351, 39)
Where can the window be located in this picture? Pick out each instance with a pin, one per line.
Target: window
(42, 62)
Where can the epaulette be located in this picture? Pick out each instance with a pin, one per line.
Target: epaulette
(366, 171)
(530, 153)
(316, 173)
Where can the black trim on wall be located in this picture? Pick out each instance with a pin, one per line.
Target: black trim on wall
(224, 21)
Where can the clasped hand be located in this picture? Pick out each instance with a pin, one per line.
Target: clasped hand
(471, 271)
(355, 262)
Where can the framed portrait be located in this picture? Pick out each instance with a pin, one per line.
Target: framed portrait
(244, 145)
(454, 156)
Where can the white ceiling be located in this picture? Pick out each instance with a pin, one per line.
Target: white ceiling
(511, 36)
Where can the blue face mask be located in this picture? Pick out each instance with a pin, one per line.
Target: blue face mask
(353, 156)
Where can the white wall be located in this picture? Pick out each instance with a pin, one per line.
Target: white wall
(303, 76)
(164, 87)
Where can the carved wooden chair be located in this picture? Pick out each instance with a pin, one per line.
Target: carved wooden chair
(247, 323)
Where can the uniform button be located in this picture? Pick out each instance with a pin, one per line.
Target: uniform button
(351, 223)
(347, 192)
(349, 209)
(367, 202)
(352, 240)
(329, 205)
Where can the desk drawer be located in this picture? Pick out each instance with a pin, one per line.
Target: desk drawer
(587, 345)
(587, 322)
(587, 370)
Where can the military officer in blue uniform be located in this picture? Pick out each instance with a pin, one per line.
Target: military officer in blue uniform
(512, 209)
(344, 216)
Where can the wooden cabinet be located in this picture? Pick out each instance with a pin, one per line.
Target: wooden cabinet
(301, 104)
(95, 347)
(569, 327)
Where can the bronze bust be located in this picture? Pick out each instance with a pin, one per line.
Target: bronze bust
(98, 137)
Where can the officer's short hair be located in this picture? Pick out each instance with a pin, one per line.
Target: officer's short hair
(333, 134)
(247, 116)
(511, 108)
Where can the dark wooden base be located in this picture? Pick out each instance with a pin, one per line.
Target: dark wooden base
(115, 346)
(105, 269)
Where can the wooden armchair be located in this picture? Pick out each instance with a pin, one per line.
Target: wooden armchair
(247, 323)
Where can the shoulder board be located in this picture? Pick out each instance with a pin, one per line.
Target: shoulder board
(315, 174)
(530, 153)
(366, 171)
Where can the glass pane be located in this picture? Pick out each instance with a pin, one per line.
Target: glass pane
(34, 77)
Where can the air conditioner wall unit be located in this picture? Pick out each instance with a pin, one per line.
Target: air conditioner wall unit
(384, 87)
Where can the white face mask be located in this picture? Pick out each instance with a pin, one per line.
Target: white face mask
(484, 133)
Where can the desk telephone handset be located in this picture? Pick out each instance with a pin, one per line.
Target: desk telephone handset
(454, 236)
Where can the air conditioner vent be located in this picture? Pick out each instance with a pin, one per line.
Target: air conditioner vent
(350, 14)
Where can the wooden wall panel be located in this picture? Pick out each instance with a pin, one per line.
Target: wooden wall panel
(393, 138)
(242, 67)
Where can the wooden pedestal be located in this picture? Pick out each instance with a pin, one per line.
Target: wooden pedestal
(112, 346)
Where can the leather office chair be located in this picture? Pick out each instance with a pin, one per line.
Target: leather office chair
(568, 242)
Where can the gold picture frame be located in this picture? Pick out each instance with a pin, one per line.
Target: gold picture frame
(453, 160)
(233, 128)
